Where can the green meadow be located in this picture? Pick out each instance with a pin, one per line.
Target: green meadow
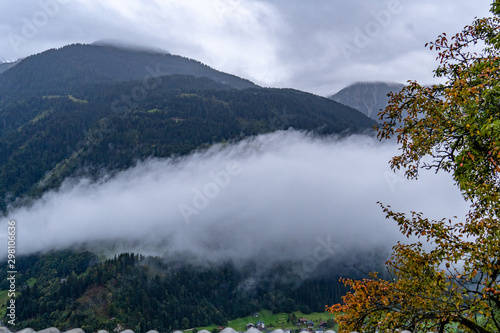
(274, 320)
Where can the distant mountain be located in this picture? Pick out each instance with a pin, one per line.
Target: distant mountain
(128, 46)
(367, 97)
(5, 65)
(61, 71)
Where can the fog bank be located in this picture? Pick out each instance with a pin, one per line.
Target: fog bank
(284, 195)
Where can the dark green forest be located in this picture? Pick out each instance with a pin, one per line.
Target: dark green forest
(78, 290)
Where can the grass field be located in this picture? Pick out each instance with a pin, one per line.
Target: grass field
(4, 297)
(277, 320)
(3, 301)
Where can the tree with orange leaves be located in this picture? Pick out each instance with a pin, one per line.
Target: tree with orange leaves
(453, 280)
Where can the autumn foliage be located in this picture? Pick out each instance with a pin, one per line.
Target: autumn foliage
(450, 280)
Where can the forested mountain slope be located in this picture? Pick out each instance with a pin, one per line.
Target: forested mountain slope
(45, 139)
(60, 71)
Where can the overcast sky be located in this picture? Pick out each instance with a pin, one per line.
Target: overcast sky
(318, 46)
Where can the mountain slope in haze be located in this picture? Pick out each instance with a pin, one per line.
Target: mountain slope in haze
(135, 47)
(60, 71)
(7, 64)
(367, 97)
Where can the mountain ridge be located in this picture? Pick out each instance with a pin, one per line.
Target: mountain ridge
(128, 46)
(7, 64)
(367, 97)
(62, 70)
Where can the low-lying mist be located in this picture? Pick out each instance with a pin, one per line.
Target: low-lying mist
(280, 196)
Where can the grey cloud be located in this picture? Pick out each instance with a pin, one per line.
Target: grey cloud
(289, 43)
(344, 42)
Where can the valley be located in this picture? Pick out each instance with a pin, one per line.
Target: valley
(249, 166)
(66, 124)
